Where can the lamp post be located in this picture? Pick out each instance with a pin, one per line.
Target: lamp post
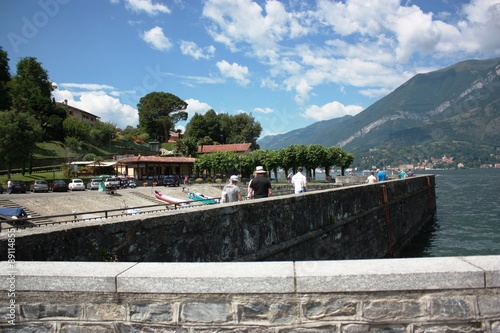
(341, 165)
(53, 167)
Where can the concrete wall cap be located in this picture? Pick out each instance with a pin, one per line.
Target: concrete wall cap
(62, 275)
(234, 277)
(491, 266)
(388, 274)
(255, 277)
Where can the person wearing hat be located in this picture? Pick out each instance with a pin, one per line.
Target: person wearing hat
(231, 192)
(260, 186)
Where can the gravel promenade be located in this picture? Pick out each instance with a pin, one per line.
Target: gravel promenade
(46, 204)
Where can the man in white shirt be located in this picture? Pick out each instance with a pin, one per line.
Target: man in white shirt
(371, 178)
(299, 181)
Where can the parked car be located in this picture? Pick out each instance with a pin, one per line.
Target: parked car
(76, 185)
(171, 180)
(18, 186)
(39, 186)
(59, 185)
(94, 184)
(124, 183)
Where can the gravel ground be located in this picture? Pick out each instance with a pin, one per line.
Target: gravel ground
(46, 204)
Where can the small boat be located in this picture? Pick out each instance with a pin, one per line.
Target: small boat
(196, 196)
(168, 199)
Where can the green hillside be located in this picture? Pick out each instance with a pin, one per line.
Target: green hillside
(444, 108)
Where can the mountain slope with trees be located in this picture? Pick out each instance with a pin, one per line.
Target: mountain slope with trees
(445, 108)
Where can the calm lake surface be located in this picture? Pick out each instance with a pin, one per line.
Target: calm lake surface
(468, 215)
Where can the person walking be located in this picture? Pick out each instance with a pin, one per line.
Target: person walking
(299, 181)
(231, 192)
(381, 175)
(9, 186)
(371, 178)
(260, 187)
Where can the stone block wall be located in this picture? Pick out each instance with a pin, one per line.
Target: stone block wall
(382, 295)
(363, 221)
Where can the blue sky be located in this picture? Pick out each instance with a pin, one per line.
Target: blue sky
(288, 63)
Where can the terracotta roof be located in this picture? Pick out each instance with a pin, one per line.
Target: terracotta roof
(237, 147)
(156, 159)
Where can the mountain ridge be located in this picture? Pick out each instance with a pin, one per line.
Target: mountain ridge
(457, 103)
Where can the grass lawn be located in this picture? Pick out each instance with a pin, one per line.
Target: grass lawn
(27, 178)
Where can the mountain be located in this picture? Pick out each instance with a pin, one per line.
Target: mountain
(460, 103)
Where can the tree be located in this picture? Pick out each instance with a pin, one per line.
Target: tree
(269, 159)
(5, 98)
(31, 92)
(31, 87)
(224, 128)
(315, 157)
(20, 132)
(159, 112)
(244, 128)
(332, 158)
(102, 132)
(76, 129)
(187, 147)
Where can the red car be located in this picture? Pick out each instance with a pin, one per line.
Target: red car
(59, 186)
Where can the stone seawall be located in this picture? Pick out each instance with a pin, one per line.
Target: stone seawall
(364, 221)
(380, 295)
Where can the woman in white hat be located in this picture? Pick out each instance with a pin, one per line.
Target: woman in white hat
(231, 192)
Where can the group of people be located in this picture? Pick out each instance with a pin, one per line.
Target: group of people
(260, 186)
(382, 175)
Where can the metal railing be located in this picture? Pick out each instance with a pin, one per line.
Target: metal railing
(31, 222)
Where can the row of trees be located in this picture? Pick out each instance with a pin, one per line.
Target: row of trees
(289, 158)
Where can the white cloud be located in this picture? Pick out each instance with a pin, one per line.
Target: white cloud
(235, 71)
(157, 39)
(86, 86)
(245, 23)
(331, 110)
(197, 79)
(146, 6)
(481, 28)
(101, 104)
(195, 106)
(193, 50)
(263, 110)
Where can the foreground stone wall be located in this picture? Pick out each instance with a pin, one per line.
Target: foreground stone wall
(364, 221)
(383, 295)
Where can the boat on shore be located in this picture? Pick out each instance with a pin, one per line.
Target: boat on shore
(196, 196)
(169, 199)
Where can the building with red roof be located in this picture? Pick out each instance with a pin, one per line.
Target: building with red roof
(153, 167)
(238, 148)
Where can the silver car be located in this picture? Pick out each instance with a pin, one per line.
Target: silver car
(39, 186)
(94, 184)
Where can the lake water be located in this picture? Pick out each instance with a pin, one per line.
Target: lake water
(467, 218)
(468, 215)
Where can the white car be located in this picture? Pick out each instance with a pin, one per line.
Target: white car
(76, 185)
